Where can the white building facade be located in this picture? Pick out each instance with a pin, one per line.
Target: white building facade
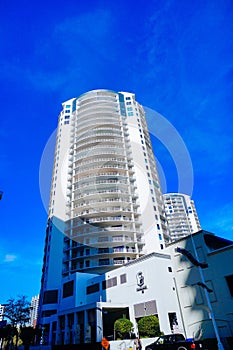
(163, 284)
(106, 206)
(205, 290)
(88, 305)
(181, 215)
(34, 311)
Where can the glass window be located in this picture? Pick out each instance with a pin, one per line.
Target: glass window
(103, 262)
(50, 297)
(93, 288)
(229, 280)
(68, 289)
(67, 111)
(123, 278)
(112, 282)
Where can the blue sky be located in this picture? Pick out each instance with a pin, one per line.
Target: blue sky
(176, 56)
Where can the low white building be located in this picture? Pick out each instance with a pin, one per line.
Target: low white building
(88, 305)
(204, 289)
(182, 286)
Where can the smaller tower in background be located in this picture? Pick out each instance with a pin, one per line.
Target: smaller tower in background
(34, 311)
(181, 215)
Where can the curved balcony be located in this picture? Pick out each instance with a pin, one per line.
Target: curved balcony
(99, 150)
(112, 193)
(93, 142)
(100, 159)
(87, 168)
(100, 183)
(89, 113)
(98, 118)
(109, 131)
(98, 171)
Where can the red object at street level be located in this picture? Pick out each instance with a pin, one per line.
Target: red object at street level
(105, 343)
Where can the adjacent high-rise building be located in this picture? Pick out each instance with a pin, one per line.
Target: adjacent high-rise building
(34, 311)
(106, 206)
(181, 215)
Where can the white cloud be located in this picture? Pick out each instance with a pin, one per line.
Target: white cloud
(10, 258)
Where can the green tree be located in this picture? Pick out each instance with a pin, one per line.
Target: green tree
(123, 327)
(18, 312)
(148, 326)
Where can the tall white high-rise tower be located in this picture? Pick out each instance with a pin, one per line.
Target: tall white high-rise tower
(181, 215)
(106, 205)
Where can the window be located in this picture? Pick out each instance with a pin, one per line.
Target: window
(103, 262)
(50, 297)
(130, 114)
(129, 109)
(67, 117)
(93, 288)
(128, 103)
(158, 227)
(67, 111)
(66, 122)
(229, 280)
(169, 269)
(127, 98)
(103, 250)
(161, 246)
(49, 313)
(160, 237)
(123, 278)
(112, 282)
(68, 289)
(67, 106)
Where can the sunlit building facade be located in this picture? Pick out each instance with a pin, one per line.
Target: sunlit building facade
(181, 215)
(106, 206)
(34, 311)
